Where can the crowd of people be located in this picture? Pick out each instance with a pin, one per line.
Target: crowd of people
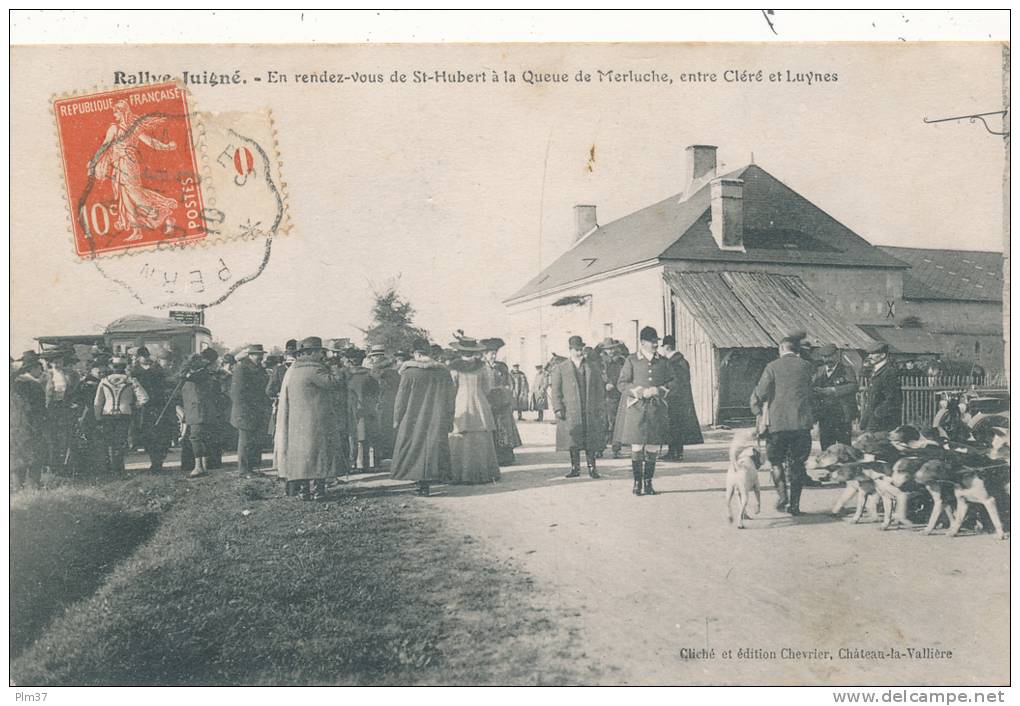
(432, 414)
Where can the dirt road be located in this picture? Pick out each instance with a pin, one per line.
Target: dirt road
(669, 593)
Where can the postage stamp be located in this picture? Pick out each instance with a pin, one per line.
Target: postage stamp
(130, 168)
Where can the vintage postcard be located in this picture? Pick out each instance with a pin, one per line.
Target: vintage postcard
(510, 364)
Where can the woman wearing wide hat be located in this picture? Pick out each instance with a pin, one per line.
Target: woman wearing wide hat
(501, 400)
(472, 449)
(643, 419)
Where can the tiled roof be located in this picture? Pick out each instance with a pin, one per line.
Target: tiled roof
(755, 309)
(914, 341)
(780, 227)
(149, 324)
(961, 275)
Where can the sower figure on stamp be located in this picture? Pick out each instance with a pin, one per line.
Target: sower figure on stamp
(249, 407)
(155, 431)
(643, 419)
(835, 397)
(684, 428)
(785, 388)
(577, 392)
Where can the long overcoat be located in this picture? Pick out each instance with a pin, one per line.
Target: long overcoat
(27, 416)
(579, 394)
(521, 389)
(643, 420)
(362, 405)
(388, 379)
(249, 405)
(683, 418)
(539, 391)
(307, 444)
(423, 415)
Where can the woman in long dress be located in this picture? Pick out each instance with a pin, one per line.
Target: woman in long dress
(501, 400)
(472, 450)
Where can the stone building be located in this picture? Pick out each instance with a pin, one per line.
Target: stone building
(728, 265)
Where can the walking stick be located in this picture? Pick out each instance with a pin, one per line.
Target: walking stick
(170, 401)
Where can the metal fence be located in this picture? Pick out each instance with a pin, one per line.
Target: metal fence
(921, 393)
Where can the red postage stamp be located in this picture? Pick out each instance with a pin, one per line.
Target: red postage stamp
(130, 169)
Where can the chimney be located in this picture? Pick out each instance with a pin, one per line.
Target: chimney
(700, 163)
(728, 213)
(584, 221)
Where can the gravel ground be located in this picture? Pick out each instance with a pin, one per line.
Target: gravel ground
(668, 592)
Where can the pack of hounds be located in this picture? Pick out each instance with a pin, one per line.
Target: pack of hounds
(913, 477)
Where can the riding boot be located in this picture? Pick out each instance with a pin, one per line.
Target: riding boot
(637, 465)
(649, 473)
(590, 457)
(795, 488)
(779, 479)
(575, 464)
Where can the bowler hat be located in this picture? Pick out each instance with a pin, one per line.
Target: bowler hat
(648, 333)
(311, 343)
(256, 348)
(878, 347)
(355, 355)
(575, 343)
(420, 345)
(210, 355)
(290, 346)
(465, 344)
(669, 341)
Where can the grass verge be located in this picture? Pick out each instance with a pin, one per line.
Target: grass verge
(240, 585)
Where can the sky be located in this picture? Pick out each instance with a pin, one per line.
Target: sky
(461, 193)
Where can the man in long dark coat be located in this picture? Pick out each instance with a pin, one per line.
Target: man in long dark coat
(883, 404)
(27, 419)
(521, 390)
(613, 354)
(785, 387)
(423, 417)
(155, 431)
(249, 407)
(59, 383)
(199, 400)
(577, 396)
(539, 388)
(362, 410)
(384, 371)
(643, 420)
(683, 418)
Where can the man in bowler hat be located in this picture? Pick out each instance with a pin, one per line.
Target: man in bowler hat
(883, 405)
(249, 407)
(577, 393)
(835, 397)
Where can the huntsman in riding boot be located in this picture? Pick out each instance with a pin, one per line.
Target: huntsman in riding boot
(575, 464)
(779, 479)
(649, 473)
(637, 463)
(795, 488)
(590, 457)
